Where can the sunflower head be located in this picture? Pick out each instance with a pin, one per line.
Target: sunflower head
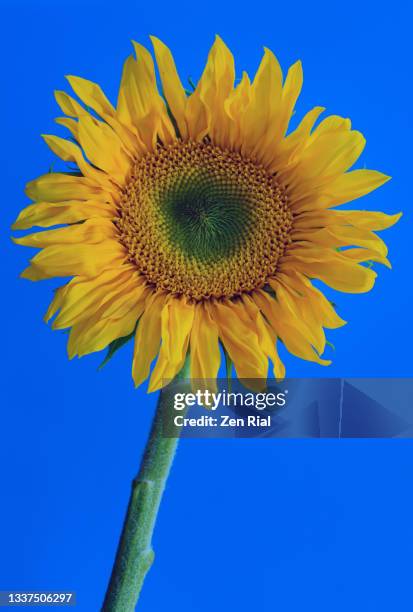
(197, 220)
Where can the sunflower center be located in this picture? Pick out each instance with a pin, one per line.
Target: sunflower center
(203, 222)
(205, 215)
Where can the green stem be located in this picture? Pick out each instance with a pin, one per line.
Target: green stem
(134, 556)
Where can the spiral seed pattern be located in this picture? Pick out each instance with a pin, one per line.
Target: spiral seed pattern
(203, 222)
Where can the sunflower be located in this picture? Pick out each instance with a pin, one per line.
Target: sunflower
(194, 219)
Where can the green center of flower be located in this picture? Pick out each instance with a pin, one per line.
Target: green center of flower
(207, 216)
(203, 222)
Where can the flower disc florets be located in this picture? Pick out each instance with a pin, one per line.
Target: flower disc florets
(204, 222)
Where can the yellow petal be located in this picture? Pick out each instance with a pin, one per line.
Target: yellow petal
(285, 329)
(104, 149)
(235, 106)
(363, 219)
(290, 147)
(205, 111)
(130, 293)
(342, 189)
(92, 95)
(148, 337)
(102, 333)
(56, 303)
(266, 337)
(362, 255)
(321, 307)
(102, 106)
(205, 354)
(332, 268)
(177, 319)
(69, 106)
(164, 372)
(46, 214)
(68, 151)
(330, 124)
(96, 334)
(140, 106)
(297, 312)
(262, 114)
(71, 124)
(291, 91)
(367, 219)
(57, 187)
(171, 84)
(215, 86)
(143, 123)
(341, 236)
(271, 143)
(75, 259)
(84, 295)
(331, 154)
(239, 339)
(129, 110)
(89, 232)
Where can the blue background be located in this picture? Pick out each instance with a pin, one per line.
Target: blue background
(245, 524)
